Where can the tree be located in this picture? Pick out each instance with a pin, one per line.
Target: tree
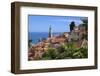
(72, 25)
(85, 24)
(29, 43)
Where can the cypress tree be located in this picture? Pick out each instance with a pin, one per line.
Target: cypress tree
(72, 25)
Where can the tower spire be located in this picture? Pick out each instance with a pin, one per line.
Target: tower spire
(50, 35)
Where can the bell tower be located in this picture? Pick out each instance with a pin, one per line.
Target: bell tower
(50, 35)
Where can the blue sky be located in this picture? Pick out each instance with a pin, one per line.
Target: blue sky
(41, 23)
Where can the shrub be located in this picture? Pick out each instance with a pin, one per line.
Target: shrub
(65, 51)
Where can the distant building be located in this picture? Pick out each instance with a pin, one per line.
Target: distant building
(74, 35)
(66, 34)
(76, 29)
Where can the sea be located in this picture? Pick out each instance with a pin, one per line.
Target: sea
(36, 36)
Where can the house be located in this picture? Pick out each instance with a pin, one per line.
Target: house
(74, 35)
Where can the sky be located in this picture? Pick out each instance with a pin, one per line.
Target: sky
(41, 23)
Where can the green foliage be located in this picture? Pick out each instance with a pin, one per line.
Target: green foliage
(65, 51)
(85, 23)
(50, 53)
(29, 43)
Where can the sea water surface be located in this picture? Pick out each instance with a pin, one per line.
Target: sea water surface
(36, 36)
